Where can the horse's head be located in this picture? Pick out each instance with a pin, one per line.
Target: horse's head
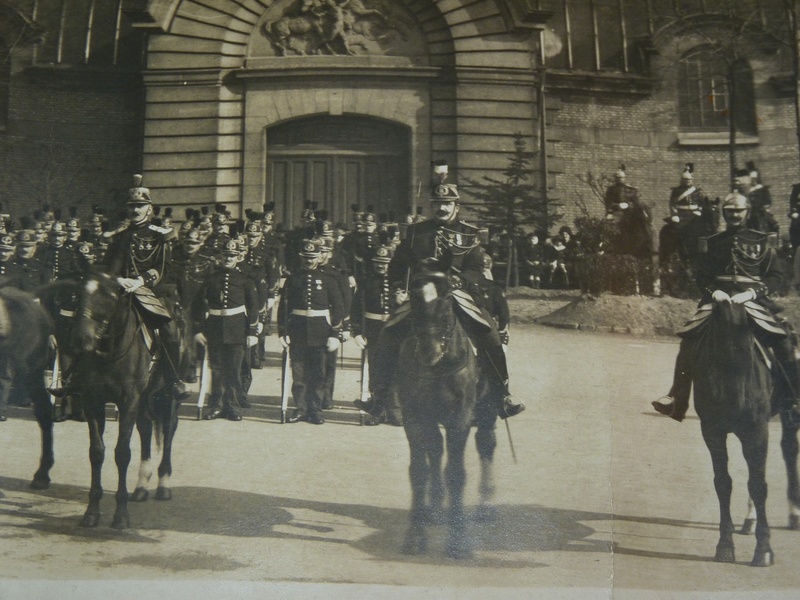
(432, 316)
(98, 305)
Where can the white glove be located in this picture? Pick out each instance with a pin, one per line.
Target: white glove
(623, 205)
(129, 284)
(259, 328)
(743, 297)
(401, 297)
(795, 215)
(270, 303)
(351, 281)
(285, 342)
(360, 341)
(719, 296)
(345, 335)
(200, 338)
(51, 341)
(251, 341)
(505, 348)
(333, 344)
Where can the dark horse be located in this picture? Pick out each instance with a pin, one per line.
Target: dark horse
(114, 365)
(25, 329)
(733, 388)
(441, 385)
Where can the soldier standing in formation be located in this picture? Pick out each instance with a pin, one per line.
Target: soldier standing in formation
(227, 306)
(310, 315)
(373, 303)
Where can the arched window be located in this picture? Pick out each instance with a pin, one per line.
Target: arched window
(705, 99)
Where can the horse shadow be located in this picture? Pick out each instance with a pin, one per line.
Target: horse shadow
(519, 537)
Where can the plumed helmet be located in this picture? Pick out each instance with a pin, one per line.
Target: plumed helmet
(688, 171)
(139, 194)
(440, 190)
(620, 173)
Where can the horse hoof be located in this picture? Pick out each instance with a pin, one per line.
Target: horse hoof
(120, 522)
(163, 493)
(794, 522)
(90, 520)
(486, 513)
(40, 483)
(764, 558)
(725, 554)
(748, 527)
(140, 494)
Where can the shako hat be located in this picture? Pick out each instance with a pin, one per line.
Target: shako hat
(231, 248)
(310, 248)
(139, 194)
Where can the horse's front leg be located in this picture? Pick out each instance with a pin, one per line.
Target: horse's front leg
(122, 456)
(436, 489)
(170, 426)
(754, 448)
(416, 539)
(43, 411)
(145, 427)
(789, 448)
(716, 443)
(96, 421)
(456, 476)
(486, 443)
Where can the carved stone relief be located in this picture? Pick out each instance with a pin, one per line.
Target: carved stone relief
(342, 28)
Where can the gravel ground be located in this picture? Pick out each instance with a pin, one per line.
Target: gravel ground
(642, 315)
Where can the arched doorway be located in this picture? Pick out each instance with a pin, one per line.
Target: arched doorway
(338, 161)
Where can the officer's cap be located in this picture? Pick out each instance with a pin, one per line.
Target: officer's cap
(383, 254)
(86, 249)
(138, 194)
(73, 225)
(231, 248)
(6, 242)
(735, 201)
(253, 228)
(310, 249)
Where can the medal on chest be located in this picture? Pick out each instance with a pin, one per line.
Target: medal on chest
(318, 283)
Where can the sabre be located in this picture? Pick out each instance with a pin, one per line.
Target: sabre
(205, 375)
(56, 375)
(364, 383)
(511, 442)
(284, 384)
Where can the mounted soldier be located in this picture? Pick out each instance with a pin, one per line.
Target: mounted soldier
(738, 266)
(442, 243)
(748, 183)
(140, 257)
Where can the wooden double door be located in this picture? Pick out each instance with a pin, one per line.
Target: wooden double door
(338, 162)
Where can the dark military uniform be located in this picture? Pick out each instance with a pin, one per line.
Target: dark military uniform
(340, 276)
(310, 311)
(734, 261)
(761, 217)
(26, 274)
(620, 193)
(686, 198)
(229, 301)
(189, 272)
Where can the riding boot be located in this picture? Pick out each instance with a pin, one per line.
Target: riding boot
(676, 403)
(497, 372)
(168, 337)
(382, 368)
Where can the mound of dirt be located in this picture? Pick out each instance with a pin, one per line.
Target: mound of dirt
(642, 315)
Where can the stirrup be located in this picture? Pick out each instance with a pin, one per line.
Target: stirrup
(509, 408)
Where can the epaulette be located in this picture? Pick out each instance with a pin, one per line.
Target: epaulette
(159, 229)
(471, 226)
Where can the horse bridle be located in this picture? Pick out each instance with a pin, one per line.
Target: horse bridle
(101, 330)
